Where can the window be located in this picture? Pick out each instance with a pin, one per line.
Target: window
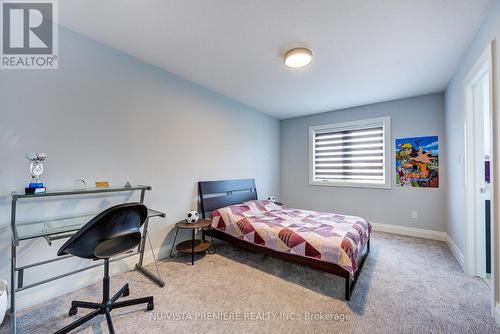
(351, 154)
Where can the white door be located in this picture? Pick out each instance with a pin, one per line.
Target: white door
(482, 161)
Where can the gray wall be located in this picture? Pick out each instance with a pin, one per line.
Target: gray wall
(416, 116)
(455, 118)
(107, 116)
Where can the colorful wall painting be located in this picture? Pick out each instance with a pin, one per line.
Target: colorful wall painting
(417, 162)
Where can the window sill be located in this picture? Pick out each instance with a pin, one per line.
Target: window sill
(351, 185)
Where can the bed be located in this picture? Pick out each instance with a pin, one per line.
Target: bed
(333, 243)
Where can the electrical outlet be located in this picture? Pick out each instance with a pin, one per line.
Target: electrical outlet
(414, 214)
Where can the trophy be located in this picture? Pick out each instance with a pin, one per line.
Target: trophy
(36, 169)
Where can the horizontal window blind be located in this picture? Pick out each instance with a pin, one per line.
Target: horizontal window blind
(349, 155)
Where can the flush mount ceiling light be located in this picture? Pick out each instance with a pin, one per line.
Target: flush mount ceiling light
(298, 57)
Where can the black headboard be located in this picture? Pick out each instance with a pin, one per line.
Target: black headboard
(218, 194)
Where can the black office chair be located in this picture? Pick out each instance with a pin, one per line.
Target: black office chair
(113, 231)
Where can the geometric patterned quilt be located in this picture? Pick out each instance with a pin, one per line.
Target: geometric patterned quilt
(323, 236)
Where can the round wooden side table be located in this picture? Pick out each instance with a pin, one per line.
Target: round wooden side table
(194, 245)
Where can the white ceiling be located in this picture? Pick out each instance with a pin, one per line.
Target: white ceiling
(365, 51)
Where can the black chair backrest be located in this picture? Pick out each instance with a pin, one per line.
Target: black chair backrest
(111, 232)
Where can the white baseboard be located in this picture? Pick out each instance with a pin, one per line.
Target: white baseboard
(45, 292)
(456, 252)
(423, 233)
(497, 314)
(411, 231)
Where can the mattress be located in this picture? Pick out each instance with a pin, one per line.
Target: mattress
(329, 237)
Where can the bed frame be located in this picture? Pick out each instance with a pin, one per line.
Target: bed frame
(218, 194)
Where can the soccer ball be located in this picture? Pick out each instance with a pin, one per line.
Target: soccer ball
(192, 216)
(271, 199)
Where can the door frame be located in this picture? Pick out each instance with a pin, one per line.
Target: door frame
(474, 251)
(473, 231)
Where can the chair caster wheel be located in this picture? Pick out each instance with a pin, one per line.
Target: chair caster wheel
(151, 307)
(126, 293)
(73, 311)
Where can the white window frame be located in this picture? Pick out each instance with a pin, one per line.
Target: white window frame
(385, 122)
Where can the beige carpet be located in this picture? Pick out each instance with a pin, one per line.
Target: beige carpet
(408, 285)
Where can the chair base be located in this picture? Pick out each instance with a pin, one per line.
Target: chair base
(107, 304)
(104, 308)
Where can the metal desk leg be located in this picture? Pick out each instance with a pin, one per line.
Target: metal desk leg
(142, 245)
(13, 290)
(13, 264)
(155, 278)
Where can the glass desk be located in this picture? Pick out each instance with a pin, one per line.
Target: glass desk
(60, 227)
(63, 227)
